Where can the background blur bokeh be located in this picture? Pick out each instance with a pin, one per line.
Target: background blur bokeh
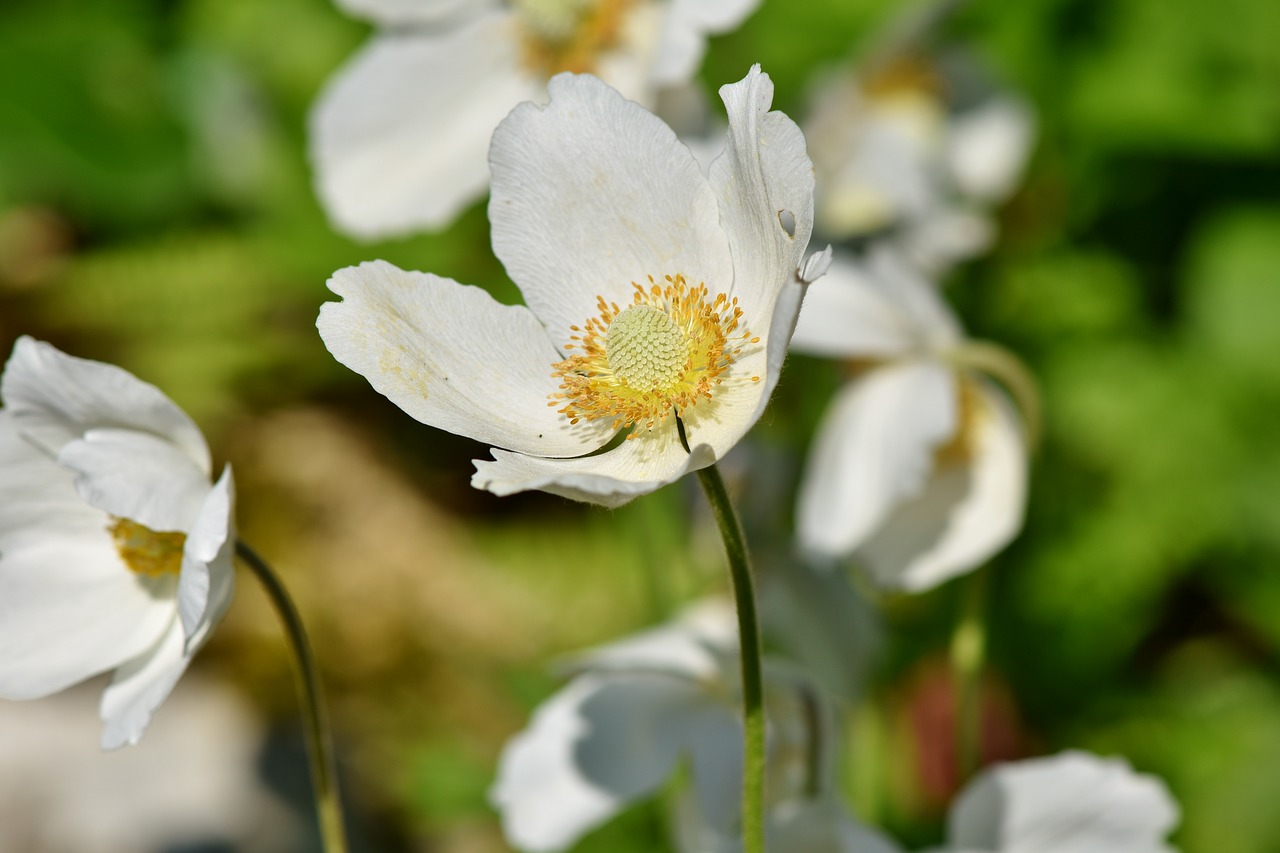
(156, 211)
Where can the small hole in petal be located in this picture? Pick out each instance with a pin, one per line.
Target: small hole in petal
(788, 222)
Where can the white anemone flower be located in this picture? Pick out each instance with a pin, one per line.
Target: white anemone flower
(115, 549)
(903, 146)
(919, 466)
(655, 295)
(1073, 802)
(636, 710)
(398, 136)
(809, 825)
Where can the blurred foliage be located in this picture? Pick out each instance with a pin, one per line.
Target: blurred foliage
(156, 211)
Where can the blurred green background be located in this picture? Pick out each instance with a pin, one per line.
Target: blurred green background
(156, 212)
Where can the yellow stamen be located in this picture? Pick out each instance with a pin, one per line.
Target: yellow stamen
(963, 443)
(568, 35)
(145, 551)
(666, 351)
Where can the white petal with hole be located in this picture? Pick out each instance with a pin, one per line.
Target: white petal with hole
(874, 450)
(764, 183)
(398, 137)
(591, 193)
(453, 357)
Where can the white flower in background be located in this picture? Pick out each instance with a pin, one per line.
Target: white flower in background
(918, 148)
(806, 825)
(398, 138)
(115, 550)
(652, 291)
(1073, 802)
(919, 467)
(634, 712)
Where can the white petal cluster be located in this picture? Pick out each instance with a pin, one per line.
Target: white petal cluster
(115, 548)
(1073, 802)
(917, 147)
(398, 136)
(594, 205)
(919, 467)
(632, 713)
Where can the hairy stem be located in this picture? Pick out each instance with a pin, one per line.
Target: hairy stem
(749, 640)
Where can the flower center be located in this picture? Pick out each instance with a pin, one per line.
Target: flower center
(664, 352)
(645, 348)
(568, 35)
(145, 551)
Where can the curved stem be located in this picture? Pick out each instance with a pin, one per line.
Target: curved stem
(749, 640)
(319, 738)
(1008, 369)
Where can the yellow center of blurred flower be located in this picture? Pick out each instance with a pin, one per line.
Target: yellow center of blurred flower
(568, 35)
(145, 551)
(664, 352)
(961, 446)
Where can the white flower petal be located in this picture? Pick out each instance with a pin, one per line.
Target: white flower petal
(818, 619)
(207, 578)
(135, 475)
(874, 450)
(873, 308)
(591, 193)
(1069, 803)
(409, 12)
(600, 743)
(685, 28)
(694, 646)
(967, 512)
(56, 398)
(938, 239)
(69, 607)
(635, 467)
(988, 147)
(139, 686)
(452, 357)
(714, 735)
(764, 182)
(823, 826)
(398, 137)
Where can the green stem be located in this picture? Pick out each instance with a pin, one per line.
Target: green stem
(319, 739)
(749, 640)
(968, 654)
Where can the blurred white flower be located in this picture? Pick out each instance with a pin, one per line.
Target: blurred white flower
(919, 467)
(398, 138)
(115, 550)
(652, 291)
(637, 709)
(805, 825)
(1073, 802)
(917, 147)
